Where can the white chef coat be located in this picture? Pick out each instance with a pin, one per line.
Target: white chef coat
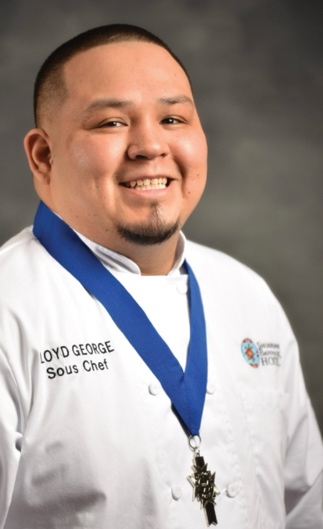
(88, 436)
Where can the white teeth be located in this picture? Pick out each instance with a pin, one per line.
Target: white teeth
(147, 183)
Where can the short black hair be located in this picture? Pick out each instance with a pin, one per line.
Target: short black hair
(49, 85)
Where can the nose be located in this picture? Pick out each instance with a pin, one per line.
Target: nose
(147, 141)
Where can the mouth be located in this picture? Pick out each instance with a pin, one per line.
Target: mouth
(146, 184)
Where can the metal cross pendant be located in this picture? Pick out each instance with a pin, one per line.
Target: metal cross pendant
(204, 488)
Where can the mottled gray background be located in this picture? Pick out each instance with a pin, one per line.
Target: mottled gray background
(257, 70)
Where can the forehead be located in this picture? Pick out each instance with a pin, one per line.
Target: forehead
(125, 67)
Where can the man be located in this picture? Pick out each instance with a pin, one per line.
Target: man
(104, 305)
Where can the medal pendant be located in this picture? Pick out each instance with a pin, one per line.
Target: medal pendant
(204, 488)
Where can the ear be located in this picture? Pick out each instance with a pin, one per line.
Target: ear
(38, 151)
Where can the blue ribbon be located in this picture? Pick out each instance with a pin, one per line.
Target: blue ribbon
(185, 390)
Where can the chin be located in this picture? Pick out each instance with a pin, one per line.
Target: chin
(148, 235)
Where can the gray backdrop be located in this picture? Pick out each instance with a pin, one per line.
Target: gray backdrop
(257, 70)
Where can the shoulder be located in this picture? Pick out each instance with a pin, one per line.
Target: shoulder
(214, 265)
(15, 248)
(18, 251)
(22, 261)
(225, 280)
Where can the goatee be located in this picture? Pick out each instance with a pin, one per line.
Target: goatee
(155, 231)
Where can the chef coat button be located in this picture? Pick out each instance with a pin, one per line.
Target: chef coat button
(210, 388)
(154, 388)
(176, 493)
(232, 490)
(181, 288)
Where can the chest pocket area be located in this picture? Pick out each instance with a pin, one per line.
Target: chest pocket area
(266, 416)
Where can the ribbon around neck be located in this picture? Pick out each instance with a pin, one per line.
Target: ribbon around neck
(186, 390)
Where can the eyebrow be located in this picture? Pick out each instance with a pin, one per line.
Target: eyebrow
(124, 103)
(176, 100)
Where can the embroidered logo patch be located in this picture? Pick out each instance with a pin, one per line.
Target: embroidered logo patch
(260, 354)
(250, 352)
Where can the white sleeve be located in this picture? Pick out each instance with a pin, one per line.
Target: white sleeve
(10, 436)
(306, 508)
(304, 455)
(303, 476)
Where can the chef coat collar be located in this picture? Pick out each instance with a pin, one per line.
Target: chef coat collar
(120, 263)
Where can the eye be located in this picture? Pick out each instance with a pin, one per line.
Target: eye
(171, 120)
(113, 123)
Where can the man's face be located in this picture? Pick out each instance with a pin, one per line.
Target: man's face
(127, 148)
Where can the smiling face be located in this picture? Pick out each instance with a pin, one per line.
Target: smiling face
(124, 155)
